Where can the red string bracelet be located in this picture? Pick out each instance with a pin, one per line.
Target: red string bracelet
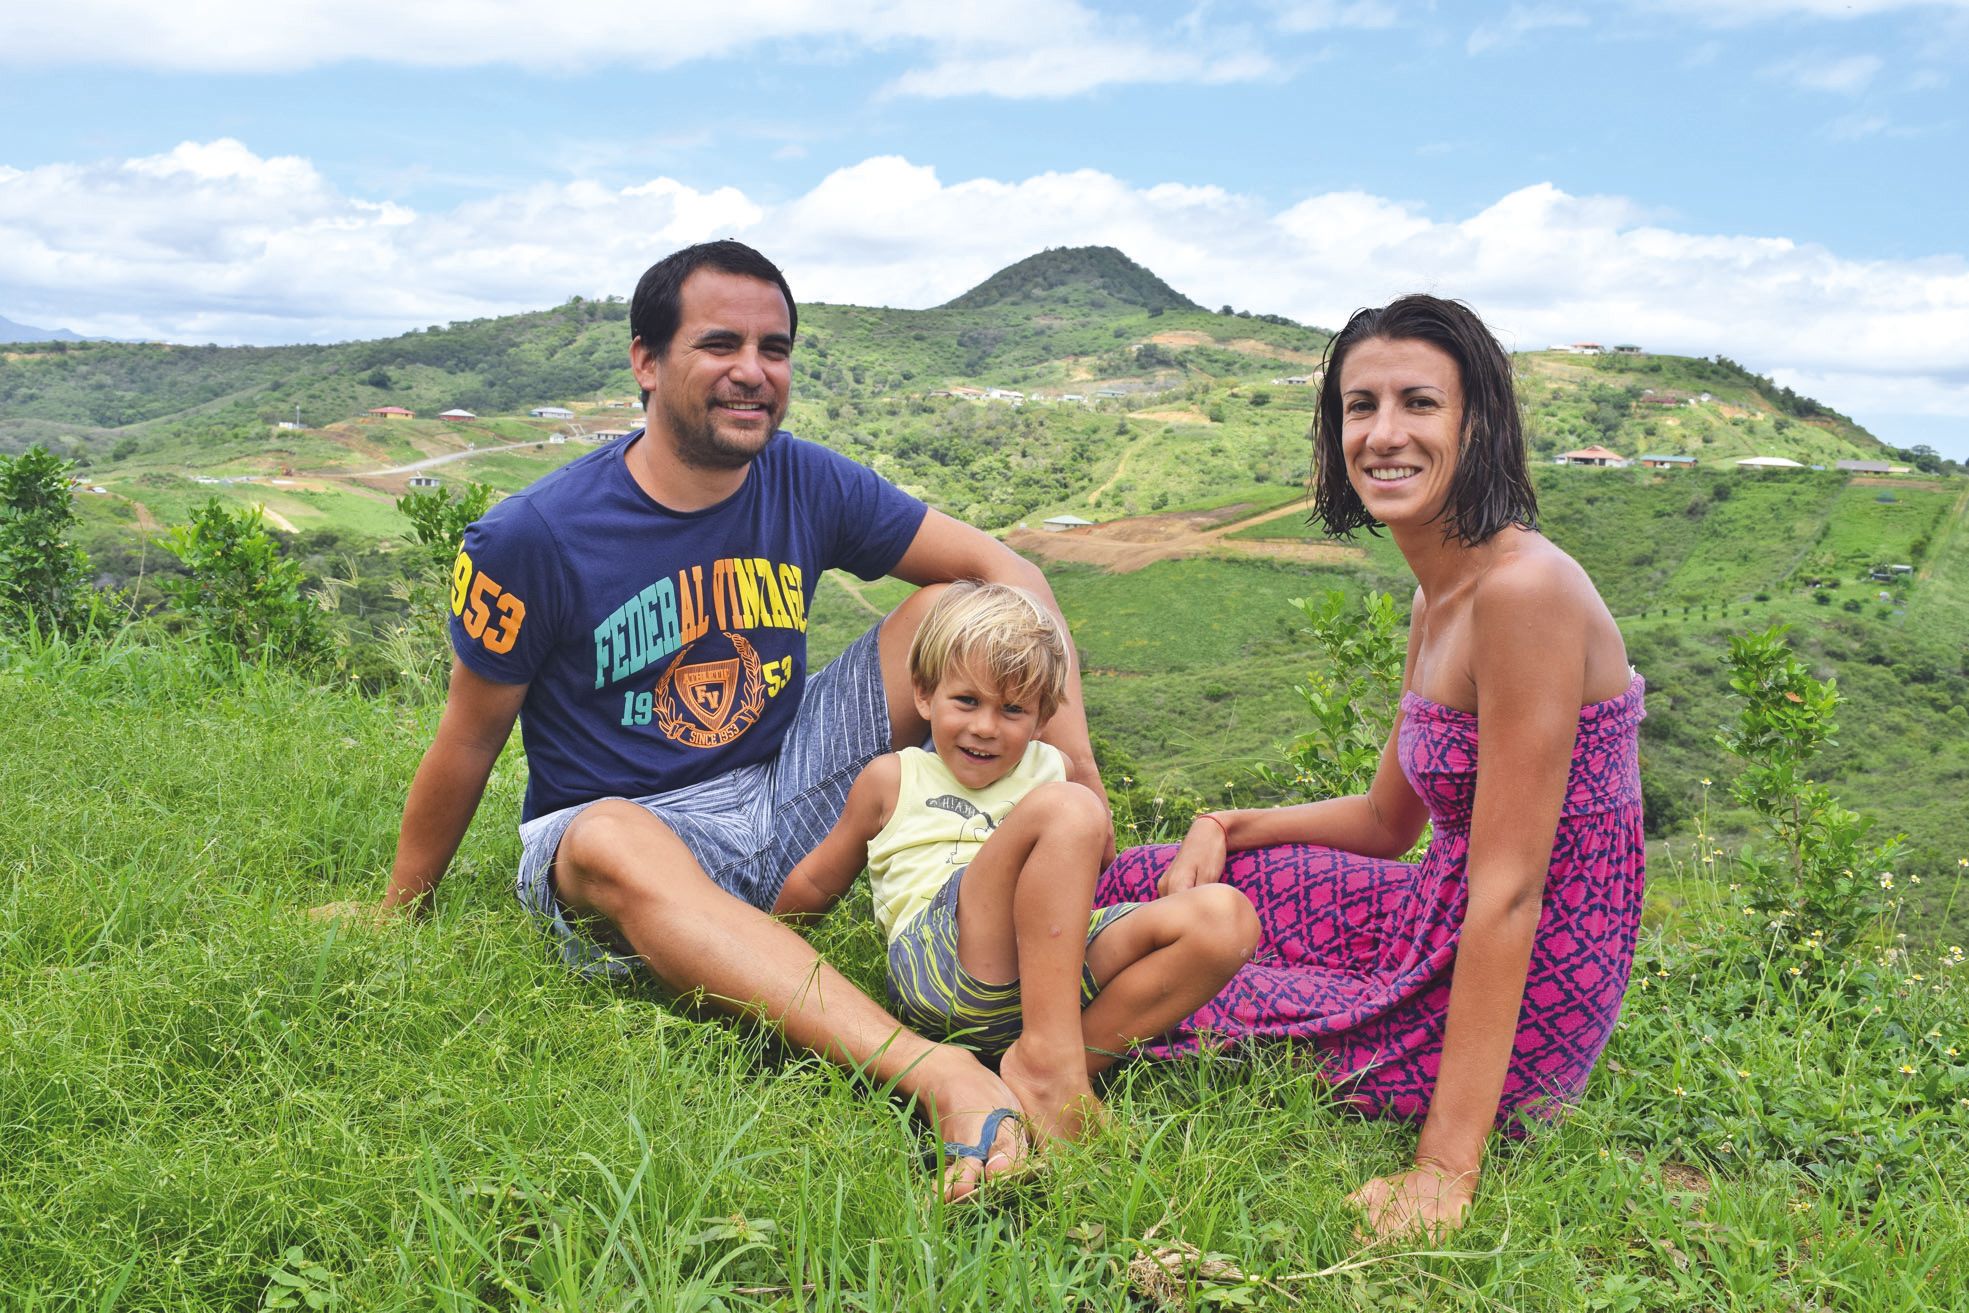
(1212, 818)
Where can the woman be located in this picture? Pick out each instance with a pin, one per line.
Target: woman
(1484, 981)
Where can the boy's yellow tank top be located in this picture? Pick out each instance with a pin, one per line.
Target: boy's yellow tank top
(939, 825)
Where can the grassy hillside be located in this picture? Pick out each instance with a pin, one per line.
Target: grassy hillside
(214, 1102)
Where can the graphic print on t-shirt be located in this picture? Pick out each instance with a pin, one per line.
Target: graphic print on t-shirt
(714, 685)
(977, 831)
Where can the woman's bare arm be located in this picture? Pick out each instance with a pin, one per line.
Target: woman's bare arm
(1528, 661)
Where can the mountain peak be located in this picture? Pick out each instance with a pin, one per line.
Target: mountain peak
(1074, 274)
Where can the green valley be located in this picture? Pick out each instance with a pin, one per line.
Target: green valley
(1076, 383)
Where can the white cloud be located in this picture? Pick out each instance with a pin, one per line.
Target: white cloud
(255, 37)
(211, 242)
(1841, 74)
(1518, 22)
(1041, 48)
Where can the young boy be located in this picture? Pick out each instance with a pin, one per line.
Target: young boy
(982, 858)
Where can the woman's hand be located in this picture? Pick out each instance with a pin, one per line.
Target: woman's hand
(1428, 1200)
(1201, 858)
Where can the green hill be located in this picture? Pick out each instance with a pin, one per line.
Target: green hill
(1074, 275)
(1140, 406)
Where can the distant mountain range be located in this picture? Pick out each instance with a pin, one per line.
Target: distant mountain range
(1080, 324)
(13, 332)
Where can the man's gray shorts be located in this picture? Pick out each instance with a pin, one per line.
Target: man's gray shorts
(746, 828)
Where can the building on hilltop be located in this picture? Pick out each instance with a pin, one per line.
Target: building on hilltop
(1061, 523)
(1594, 455)
(1627, 349)
(551, 412)
(393, 412)
(457, 414)
(1658, 462)
(1863, 466)
(1769, 463)
(1665, 397)
(423, 481)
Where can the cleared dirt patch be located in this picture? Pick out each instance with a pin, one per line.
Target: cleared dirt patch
(277, 520)
(1249, 346)
(1895, 481)
(1171, 416)
(1121, 546)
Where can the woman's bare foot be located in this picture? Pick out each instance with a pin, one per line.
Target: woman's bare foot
(1058, 1099)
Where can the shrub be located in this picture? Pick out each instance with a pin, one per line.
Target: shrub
(1818, 882)
(241, 595)
(1352, 701)
(43, 576)
(438, 523)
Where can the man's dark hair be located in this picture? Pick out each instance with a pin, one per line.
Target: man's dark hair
(1491, 488)
(658, 304)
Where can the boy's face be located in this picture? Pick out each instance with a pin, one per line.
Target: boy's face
(980, 731)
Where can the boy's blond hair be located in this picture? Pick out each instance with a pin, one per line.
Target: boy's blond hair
(994, 631)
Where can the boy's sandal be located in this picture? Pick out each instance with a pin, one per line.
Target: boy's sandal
(1022, 1170)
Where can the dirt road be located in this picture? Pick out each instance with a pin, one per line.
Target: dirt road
(1121, 546)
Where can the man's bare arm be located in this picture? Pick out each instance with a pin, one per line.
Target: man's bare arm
(478, 718)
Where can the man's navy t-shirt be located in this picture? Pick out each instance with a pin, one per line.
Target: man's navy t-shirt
(662, 647)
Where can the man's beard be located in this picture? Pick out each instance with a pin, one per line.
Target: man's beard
(700, 445)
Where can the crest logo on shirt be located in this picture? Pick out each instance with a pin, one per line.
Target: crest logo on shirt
(709, 690)
(707, 704)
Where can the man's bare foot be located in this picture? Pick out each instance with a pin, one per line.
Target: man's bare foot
(1059, 1101)
(960, 1096)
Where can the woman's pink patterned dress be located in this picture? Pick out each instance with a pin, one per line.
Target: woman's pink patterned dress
(1357, 951)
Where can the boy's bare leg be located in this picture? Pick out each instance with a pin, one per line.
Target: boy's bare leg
(620, 862)
(1161, 962)
(1022, 915)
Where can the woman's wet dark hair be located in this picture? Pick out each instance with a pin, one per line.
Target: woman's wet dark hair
(1491, 489)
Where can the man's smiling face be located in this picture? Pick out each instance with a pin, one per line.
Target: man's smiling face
(720, 390)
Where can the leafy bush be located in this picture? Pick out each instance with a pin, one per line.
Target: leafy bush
(438, 523)
(1352, 701)
(241, 595)
(43, 576)
(1819, 883)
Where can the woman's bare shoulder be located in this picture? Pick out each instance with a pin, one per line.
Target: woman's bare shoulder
(1527, 569)
(1534, 587)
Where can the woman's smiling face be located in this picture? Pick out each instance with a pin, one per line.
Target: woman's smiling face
(1401, 406)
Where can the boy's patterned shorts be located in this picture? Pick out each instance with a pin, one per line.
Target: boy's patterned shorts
(932, 993)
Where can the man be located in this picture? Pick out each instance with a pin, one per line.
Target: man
(643, 612)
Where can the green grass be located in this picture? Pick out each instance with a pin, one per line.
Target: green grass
(197, 1080)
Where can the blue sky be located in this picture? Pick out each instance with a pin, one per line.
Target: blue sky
(1775, 180)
